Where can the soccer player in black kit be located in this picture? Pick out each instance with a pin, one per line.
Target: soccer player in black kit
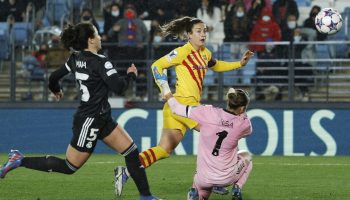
(96, 76)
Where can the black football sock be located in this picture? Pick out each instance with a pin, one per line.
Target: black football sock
(136, 170)
(49, 164)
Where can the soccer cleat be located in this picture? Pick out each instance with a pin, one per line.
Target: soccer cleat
(236, 193)
(149, 198)
(14, 161)
(193, 194)
(220, 190)
(120, 179)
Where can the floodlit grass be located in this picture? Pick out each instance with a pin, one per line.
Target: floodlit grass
(272, 178)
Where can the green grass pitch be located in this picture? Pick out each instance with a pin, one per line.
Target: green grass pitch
(274, 177)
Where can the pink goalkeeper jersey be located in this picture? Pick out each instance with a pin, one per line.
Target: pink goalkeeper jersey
(218, 140)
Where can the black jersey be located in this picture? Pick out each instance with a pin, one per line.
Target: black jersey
(96, 76)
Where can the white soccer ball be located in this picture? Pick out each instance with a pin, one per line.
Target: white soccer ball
(328, 21)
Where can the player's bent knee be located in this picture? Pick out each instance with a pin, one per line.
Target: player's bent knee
(69, 169)
(245, 154)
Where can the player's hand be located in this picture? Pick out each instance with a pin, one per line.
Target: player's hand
(132, 69)
(246, 57)
(59, 95)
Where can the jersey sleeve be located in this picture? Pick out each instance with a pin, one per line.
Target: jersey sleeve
(69, 65)
(193, 112)
(117, 83)
(174, 58)
(221, 66)
(54, 84)
(246, 127)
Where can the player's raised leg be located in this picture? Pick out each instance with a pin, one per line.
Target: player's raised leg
(14, 160)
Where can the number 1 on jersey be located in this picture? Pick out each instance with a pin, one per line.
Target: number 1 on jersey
(222, 135)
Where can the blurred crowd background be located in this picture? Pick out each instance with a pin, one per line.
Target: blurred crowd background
(292, 62)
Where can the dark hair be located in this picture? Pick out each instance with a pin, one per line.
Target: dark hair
(237, 99)
(177, 27)
(77, 36)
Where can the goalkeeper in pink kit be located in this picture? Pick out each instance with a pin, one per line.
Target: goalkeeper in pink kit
(219, 163)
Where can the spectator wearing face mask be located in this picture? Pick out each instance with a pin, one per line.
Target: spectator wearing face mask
(264, 29)
(111, 15)
(236, 25)
(282, 9)
(287, 34)
(88, 16)
(254, 12)
(310, 22)
(211, 16)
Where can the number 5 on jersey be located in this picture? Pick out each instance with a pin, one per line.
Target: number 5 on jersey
(85, 96)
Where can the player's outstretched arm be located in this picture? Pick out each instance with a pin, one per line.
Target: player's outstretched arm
(223, 66)
(246, 57)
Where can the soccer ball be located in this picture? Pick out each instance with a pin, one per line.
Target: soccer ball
(328, 21)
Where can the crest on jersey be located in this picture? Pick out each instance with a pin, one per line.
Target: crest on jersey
(108, 65)
(171, 55)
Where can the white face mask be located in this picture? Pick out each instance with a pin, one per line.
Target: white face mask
(115, 13)
(297, 38)
(239, 14)
(269, 48)
(292, 24)
(157, 39)
(266, 18)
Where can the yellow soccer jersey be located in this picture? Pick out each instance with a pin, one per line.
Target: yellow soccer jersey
(190, 68)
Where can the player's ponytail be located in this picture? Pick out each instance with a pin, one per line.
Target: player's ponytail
(237, 98)
(76, 37)
(179, 27)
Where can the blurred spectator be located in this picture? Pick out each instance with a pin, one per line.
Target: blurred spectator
(287, 35)
(247, 3)
(267, 77)
(254, 13)
(132, 38)
(15, 8)
(29, 15)
(236, 24)
(310, 22)
(10, 20)
(112, 13)
(34, 66)
(3, 12)
(88, 16)
(187, 8)
(303, 71)
(162, 11)
(211, 16)
(282, 9)
(132, 32)
(265, 29)
(140, 6)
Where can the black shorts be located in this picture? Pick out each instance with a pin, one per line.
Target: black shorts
(86, 131)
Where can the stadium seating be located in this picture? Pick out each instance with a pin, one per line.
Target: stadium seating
(21, 33)
(56, 10)
(4, 50)
(305, 3)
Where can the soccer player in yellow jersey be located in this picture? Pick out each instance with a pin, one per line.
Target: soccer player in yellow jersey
(191, 62)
